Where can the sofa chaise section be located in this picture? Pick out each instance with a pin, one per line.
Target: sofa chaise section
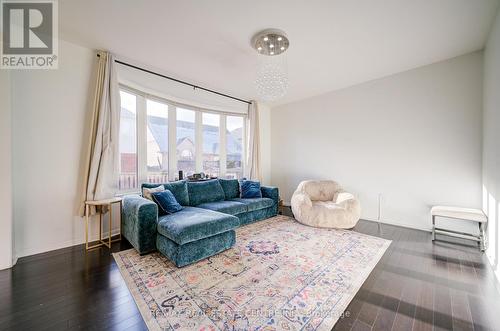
(193, 234)
(191, 224)
(195, 251)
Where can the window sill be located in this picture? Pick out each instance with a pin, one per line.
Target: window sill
(122, 194)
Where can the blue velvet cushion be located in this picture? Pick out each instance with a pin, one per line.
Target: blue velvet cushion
(231, 188)
(255, 203)
(250, 189)
(207, 191)
(179, 190)
(166, 202)
(226, 207)
(193, 223)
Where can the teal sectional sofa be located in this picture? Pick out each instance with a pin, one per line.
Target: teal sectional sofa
(212, 210)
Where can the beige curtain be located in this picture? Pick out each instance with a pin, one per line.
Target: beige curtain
(102, 156)
(252, 168)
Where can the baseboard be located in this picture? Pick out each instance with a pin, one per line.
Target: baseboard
(14, 260)
(389, 222)
(69, 243)
(12, 263)
(396, 223)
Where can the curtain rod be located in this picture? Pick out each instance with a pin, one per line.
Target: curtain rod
(179, 81)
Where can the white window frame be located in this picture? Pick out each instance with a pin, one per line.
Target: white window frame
(141, 131)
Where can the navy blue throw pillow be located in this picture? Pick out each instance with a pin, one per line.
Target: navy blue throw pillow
(250, 189)
(166, 201)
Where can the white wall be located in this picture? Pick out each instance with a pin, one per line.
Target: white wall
(6, 242)
(414, 137)
(491, 143)
(50, 109)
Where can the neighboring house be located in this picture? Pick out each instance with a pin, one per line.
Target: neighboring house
(157, 158)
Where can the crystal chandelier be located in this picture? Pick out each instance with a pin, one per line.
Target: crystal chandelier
(272, 77)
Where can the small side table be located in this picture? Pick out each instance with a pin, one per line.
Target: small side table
(280, 206)
(102, 203)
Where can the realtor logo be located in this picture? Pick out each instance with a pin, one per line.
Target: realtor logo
(29, 37)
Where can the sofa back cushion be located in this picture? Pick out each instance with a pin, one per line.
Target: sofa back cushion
(147, 192)
(231, 188)
(179, 189)
(206, 191)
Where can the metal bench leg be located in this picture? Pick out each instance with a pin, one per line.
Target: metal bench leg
(433, 227)
(482, 239)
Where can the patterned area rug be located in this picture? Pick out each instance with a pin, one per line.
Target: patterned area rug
(281, 275)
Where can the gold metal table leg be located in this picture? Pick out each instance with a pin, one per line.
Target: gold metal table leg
(100, 225)
(86, 226)
(110, 223)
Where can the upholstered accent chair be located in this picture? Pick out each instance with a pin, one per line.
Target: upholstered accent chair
(325, 204)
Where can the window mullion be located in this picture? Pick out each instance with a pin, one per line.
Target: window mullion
(198, 150)
(244, 146)
(222, 149)
(172, 139)
(142, 147)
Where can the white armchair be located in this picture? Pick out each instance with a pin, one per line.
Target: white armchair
(325, 204)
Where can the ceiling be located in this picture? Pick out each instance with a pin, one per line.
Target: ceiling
(333, 44)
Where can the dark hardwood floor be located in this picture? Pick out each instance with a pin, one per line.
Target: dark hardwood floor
(417, 285)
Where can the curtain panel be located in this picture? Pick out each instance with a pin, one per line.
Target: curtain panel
(252, 168)
(102, 152)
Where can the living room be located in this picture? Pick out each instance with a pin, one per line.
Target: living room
(275, 165)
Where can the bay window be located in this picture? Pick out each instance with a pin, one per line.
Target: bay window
(159, 137)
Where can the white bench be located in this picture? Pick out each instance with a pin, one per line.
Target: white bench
(469, 214)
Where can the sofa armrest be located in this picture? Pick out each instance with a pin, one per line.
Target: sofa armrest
(271, 193)
(139, 222)
(301, 205)
(301, 200)
(341, 196)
